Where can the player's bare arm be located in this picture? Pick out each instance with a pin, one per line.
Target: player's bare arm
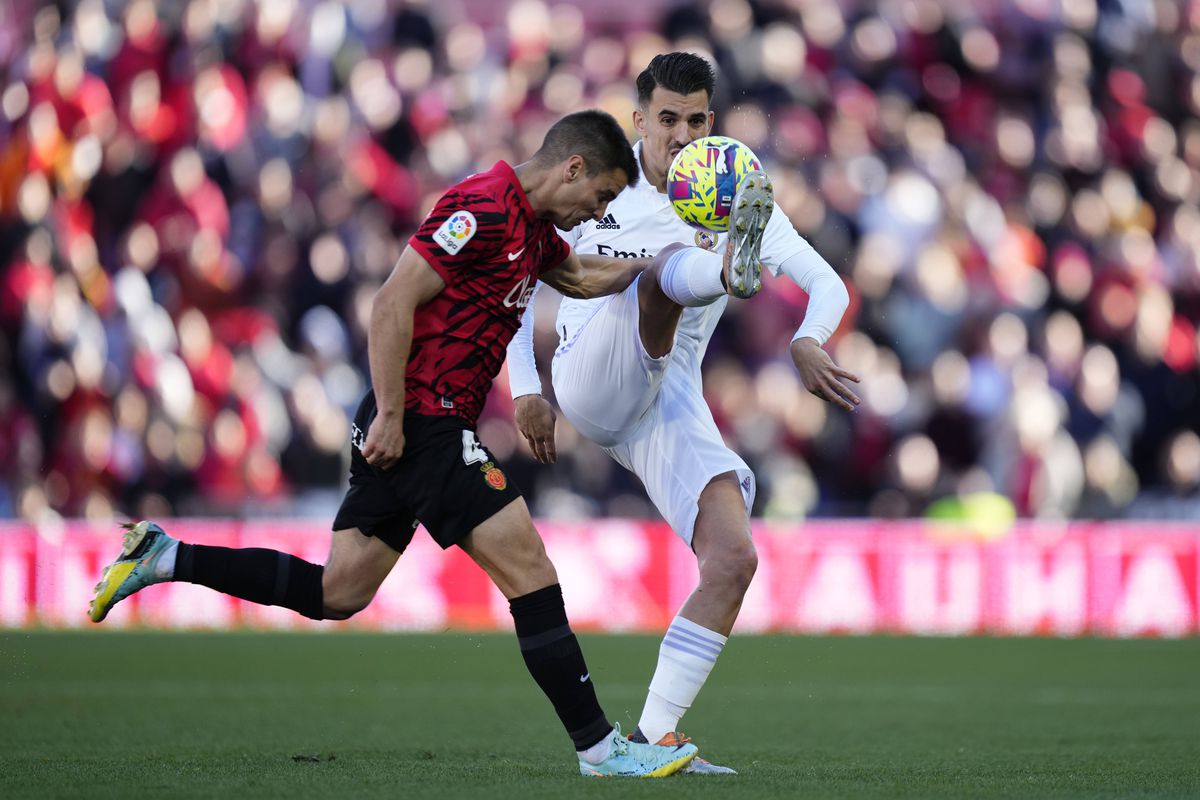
(584, 277)
(821, 376)
(581, 277)
(412, 283)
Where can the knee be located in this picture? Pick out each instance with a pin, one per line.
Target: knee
(535, 573)
(743, 565)
(513, 555)
(732, 568)
(664, 255)
(343, 602)
(340, 611)
(656, 267)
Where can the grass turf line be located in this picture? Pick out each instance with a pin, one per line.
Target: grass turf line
(101, 714)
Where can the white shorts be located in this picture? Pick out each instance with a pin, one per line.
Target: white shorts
(648, 413)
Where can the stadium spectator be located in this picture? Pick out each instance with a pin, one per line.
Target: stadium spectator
(1010, 192)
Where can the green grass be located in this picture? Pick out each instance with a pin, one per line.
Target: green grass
(101, 714)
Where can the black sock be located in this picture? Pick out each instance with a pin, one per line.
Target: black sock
(266, 577)
(555, 661)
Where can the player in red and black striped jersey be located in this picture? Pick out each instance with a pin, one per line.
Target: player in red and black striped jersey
(489, 247)
(439, 328)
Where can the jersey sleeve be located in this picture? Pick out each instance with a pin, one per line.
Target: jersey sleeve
(555, 249)
(523, 377)
(827, 295)
(781, 242)
(462, 230)
(786, 252)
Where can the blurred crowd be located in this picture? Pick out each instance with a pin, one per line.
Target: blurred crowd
(198, 199)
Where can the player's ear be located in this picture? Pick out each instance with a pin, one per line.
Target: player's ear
(573, 169)
(639, 121)
(711, 118)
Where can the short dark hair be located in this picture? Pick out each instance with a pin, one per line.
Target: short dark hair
(682, 73)
(596, 136)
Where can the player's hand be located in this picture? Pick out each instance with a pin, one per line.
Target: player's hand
(535, 421)
(385, 441)
(821, 376)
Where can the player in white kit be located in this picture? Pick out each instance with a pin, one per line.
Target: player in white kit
(627, 374)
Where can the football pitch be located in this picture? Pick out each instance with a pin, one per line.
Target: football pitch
(101, 714)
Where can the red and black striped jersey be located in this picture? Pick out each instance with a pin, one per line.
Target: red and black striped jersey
(489, 246)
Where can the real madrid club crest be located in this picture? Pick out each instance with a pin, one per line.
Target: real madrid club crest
(494, 476)
(706, 240)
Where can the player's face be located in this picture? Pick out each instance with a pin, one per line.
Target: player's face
(585, 197)
(666, 124)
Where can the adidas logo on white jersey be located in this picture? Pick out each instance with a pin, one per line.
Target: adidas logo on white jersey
(608, 223)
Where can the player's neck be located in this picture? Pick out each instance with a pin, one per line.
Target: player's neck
(536, 185)
(656, 178)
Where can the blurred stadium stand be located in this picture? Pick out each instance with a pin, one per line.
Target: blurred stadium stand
(198, 199)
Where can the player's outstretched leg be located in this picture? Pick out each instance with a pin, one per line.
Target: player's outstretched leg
(267, 577)
(140, 564)
(699, 766)
(629, 758)
(752, 207)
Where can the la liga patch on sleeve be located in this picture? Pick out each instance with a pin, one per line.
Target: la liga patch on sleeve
(456, 231)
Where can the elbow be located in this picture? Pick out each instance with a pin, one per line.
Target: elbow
(830, 291)
(389, 304)
(379, 306)
(840, 294)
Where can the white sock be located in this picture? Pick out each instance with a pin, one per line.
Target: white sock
(685, 658)
(164, 568)
(599, 751)
(692, 277)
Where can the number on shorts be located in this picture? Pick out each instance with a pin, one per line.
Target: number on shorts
(473, 452)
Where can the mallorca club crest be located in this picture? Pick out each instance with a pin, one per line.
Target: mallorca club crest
(494, 476)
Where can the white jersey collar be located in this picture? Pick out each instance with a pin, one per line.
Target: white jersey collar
(644, 182)
(644, 185)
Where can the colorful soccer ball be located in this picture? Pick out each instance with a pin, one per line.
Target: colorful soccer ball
(703, 178)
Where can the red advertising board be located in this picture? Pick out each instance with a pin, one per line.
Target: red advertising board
(1107, 579)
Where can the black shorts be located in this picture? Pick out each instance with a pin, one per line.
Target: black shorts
(444, 480)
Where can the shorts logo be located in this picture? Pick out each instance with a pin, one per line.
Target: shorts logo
(456, 231)
(472, 450)
(706, 240)
(494, 476)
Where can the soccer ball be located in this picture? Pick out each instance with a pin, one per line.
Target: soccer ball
(703, 178)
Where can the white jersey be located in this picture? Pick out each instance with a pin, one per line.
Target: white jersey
(639, 223)
(649, 413)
